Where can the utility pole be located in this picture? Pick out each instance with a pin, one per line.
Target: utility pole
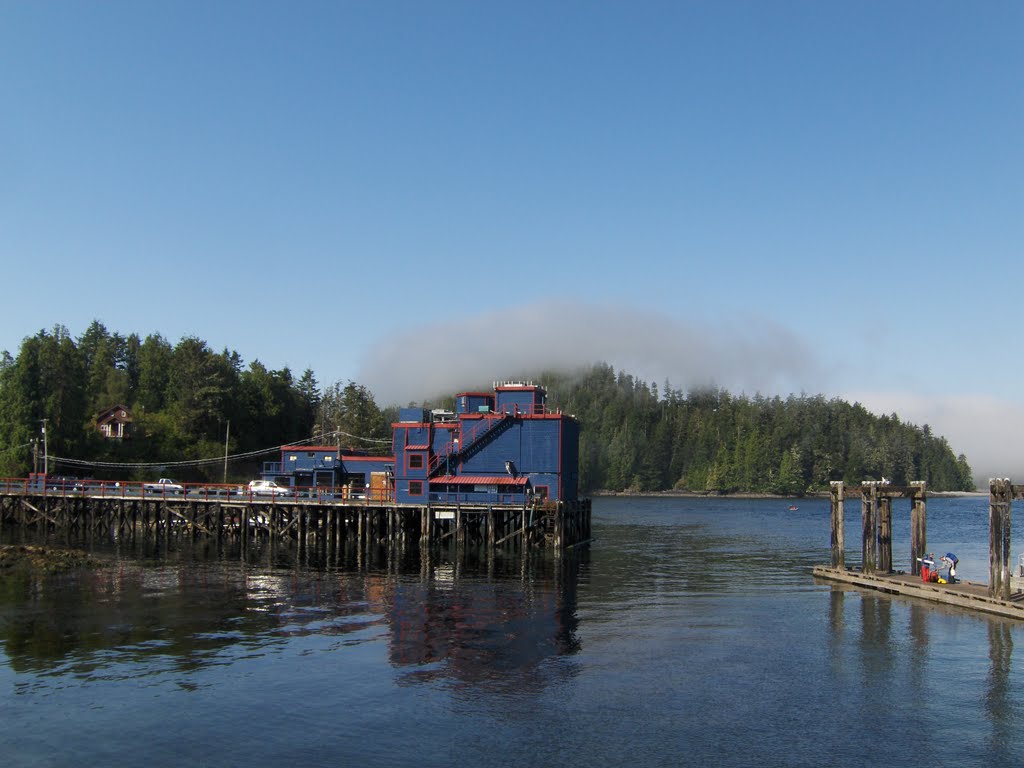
(227, 436)
(46, 452)
(35, 456)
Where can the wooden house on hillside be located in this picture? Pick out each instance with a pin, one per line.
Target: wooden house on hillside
(115, 423)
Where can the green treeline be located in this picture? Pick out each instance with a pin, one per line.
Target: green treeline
(635, 438)
(186, 399)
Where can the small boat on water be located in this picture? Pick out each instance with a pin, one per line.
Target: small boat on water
(793, 507)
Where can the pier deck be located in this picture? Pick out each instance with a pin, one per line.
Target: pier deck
(970, 595)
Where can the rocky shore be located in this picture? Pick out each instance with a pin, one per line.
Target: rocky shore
(38, 559)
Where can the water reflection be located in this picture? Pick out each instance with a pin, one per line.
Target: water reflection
(1000, 704)
(472, 627)
(889, 626)
(469, 622)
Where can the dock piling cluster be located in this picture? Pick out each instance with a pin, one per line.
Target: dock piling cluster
(876, 570)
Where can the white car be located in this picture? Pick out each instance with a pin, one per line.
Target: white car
(163, 485)
(268, 488)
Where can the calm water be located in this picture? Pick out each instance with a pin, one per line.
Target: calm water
(689, 633)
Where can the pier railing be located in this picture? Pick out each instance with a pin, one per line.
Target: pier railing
(127, 489)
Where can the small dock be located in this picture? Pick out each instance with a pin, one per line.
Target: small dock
(963, 594)
(1001, 596)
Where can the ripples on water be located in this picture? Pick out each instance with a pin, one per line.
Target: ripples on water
(690, 632)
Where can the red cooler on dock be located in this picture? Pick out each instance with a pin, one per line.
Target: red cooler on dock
(928, 572)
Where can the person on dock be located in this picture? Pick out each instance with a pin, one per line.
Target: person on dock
(949, 563)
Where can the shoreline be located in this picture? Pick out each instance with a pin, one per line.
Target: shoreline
(751, 494)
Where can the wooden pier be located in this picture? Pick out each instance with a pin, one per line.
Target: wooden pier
(309, 522)
(876, 572)
(962, 594)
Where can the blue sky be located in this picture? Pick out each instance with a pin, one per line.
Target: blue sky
(772, 197)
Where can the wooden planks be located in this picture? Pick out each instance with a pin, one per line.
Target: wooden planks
(967, 595)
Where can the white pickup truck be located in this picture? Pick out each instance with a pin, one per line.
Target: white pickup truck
(164, 485)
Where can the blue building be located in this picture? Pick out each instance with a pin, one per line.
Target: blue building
(329, 471)
(498, 447)
(501, 447)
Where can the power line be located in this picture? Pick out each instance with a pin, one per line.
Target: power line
(16, 447)
(201, 462)
(364, 439)
(186, 463)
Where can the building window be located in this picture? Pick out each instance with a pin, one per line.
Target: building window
(541, 492)
(415, 461)
(415, 487)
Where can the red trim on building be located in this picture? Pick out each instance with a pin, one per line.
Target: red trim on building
(479, 480)
(368, 458)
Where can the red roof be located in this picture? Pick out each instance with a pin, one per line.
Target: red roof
(423, 447)
(480, 480)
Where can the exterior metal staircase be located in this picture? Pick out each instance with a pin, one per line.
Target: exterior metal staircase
(472, 443)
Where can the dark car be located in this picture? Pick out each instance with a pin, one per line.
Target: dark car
(62, 483)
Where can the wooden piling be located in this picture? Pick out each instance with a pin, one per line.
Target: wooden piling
(918, 527)
(838, 538)
(869, 539)
(885, 534)
(322, 526)
(1000, 496)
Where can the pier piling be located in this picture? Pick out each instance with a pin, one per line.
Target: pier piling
(312, 525)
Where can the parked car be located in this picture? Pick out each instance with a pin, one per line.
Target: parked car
(62, 483)
(268, 488)
(164, 485)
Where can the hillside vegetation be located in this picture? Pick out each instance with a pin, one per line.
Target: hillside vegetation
(637, 438)
(187, 400)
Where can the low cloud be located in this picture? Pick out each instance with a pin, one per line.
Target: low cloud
(744, 355)
(985, 429)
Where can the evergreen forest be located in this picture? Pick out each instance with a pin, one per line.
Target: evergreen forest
(193, 406)
(635, 438)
